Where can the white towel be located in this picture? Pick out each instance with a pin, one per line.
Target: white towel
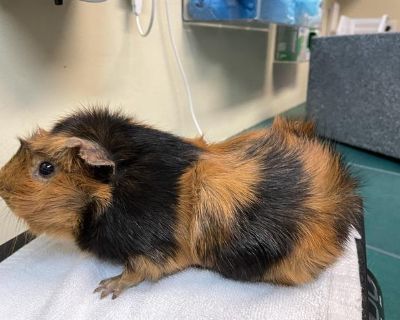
(54, 280)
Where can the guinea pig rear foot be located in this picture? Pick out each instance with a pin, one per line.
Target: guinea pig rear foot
(113, 285)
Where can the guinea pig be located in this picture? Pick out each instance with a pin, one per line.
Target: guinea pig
(274, 205)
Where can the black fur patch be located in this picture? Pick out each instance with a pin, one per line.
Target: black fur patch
(149, 162)
(267, 231)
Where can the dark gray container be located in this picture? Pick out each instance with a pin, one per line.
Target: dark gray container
(354, 90)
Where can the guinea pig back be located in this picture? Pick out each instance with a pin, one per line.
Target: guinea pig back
(271, 205)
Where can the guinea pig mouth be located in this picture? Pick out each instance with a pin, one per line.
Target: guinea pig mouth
(4, 196)
(4, 188)
(4, 193)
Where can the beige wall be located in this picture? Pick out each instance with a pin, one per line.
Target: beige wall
(370, 8)
(52, 59)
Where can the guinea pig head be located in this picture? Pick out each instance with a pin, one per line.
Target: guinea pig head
(53, 178)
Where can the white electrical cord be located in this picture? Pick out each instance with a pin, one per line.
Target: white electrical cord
(182, 71)
(137, 10)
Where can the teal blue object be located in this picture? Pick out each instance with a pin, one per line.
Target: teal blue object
(307, 10)
(222, 9)
(279, 11)
(292, 12)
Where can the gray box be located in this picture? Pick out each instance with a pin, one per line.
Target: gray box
(354, 90)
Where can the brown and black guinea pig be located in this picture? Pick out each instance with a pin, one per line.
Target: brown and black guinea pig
(274, 205)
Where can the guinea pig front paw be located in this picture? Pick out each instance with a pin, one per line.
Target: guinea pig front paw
(114, 285)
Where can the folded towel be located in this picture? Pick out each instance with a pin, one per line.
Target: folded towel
(54, 280)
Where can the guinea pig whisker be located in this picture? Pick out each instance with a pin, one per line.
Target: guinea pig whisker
(13, 246)
(4, 211)
(18, 227)
(25, 237)
(4, 214)
(6, 222)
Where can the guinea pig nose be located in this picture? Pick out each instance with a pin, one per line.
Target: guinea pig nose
(4, 191)
(3, 187)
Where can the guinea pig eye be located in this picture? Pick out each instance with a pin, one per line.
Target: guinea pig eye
(46, 169)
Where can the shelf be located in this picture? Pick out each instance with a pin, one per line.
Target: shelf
(248, 25)
(255, 15)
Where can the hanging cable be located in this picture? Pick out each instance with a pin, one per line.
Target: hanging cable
(182, 70)
(137, 10)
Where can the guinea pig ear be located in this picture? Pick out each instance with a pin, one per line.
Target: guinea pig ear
(91, 152)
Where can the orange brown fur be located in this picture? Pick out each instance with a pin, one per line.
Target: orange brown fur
(138, 270)
(318, 246)
(270, 205)
(54, 209)
(299, 128)
(221, 175)
(211, 191)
